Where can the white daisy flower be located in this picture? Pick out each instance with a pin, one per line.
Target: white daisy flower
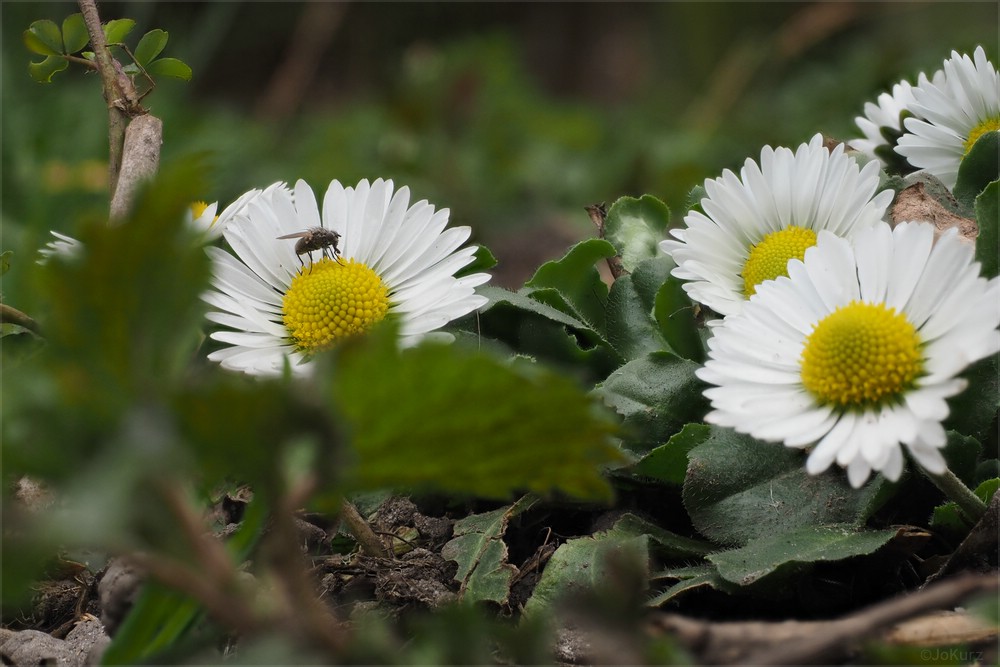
(199, 217)
(63, 246)
(393, 258)
(753, 224)
(882, 123)
(857, 349)
(952, 113)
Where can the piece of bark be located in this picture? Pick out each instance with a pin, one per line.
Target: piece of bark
(140, 160)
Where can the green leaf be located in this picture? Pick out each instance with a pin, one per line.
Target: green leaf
(668, 463)
(520, 301)
(470, 423)
(578, 283)
(631, 328)
(43, 71)
(635, 227)
(484, 261)
(43, 37)
(150, 46)
(657, 395)
(74, 33)
(979, 168)
(587, 563)
(481, 553)
(974, 411)
(171, 67)
(116, 30)
(806, 544)
(676, 315)
(5, 261)
(948, 517)
(739, 489)
(689, 578)
(988, 221)
(19, 344)
(665, 543)
(962, 454)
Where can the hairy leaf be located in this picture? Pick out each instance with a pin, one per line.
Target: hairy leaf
(635, 227)
(979, 168)
(988, 221)
(739, 489)
(676, 315)
(632, 329)
(668, 463)
(582, 292)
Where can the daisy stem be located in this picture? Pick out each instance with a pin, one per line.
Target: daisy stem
(956, 490)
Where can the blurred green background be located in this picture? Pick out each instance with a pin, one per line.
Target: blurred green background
(515, 116)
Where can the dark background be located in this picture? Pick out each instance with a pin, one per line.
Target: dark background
(513, 115)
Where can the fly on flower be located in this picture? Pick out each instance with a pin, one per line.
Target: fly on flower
(315, 238)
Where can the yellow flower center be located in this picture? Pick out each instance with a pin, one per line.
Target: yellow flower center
(769, 258)
(988, 125)
(861, 355)
(332, 300)
(197, 208)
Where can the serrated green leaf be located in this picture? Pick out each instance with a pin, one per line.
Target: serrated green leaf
(499, 295)
(988, 221)
(577, 281)
(470, 423)
(587, 563)
(44, 38)
(43, 72)
(739, 489)
(150, 46)
(979, 168)
(171, 67)
(806, 544)
(635, 227)
(676, 315)
(631, 327)
(481, 553)
(689, 578)
(74, 33)
(668, 463)
(116, 30)
(657, 395)
(5, 261)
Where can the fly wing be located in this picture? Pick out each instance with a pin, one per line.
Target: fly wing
(296, 235)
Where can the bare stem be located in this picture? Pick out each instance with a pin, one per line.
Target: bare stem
(9, 315)
(362, 532)
(957, 491)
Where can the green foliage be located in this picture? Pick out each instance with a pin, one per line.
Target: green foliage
(44, 38)
(43, 71)
(116, 30)
(739, 490)
(949, 518)
(656, 395)
(635, 227)
(677, 318)
(5, 261)
(988, 221)
(770, 552)
(150, 46)
(479, 549)
(633, 330)
(476, 425)
(979, 168)
(572, 284)
(74, 33)
(668, 463)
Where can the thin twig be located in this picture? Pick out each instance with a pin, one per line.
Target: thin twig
(362, 532)
(10, 315)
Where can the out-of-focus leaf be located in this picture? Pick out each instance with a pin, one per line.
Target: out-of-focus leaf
(665, 543)
(979, 168)
(587, 563)
(675, 313)
(43, 71)
(988, 221)
(632, 330)
(635, 227)
(668, 463)
(657, 395)
(5, 261)
(739, 489)
(469, 423)
(18, 344)
(116, 30)
(481, 553)
(962, 454)
(171, 67)
(43, 37)
(767, 553)
(580, 289)
(74, 33)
